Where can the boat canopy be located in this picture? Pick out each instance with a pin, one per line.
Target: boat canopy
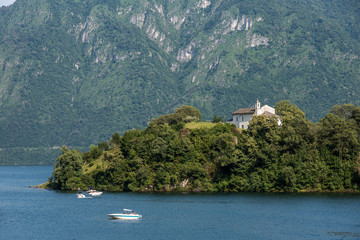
(128, 210)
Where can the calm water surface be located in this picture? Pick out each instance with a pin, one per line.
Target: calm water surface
(28, 213)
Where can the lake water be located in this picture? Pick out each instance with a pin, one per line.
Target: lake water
(29, 213)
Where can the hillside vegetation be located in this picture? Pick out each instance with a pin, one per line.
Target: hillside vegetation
(73, 72)
(167, 156)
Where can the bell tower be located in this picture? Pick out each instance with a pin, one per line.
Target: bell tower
(257, 108)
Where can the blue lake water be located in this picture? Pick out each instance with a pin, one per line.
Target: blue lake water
(29, 213)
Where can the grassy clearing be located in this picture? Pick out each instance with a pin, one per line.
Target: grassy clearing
(97, 164)
(195, 125)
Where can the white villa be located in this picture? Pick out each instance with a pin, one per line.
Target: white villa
(242, 117)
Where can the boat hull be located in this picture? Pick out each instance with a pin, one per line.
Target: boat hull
(95, 193)
(125, 216)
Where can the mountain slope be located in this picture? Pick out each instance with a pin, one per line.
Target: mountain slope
(74, 72)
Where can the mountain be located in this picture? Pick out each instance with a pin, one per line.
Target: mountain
(73, 72)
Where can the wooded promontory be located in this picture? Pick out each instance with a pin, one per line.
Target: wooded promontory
(178, 152)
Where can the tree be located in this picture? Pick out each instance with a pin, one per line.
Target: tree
(356, 115)
(104, 146)
(339, 135)
(68, 170)
(217, 119)
(296, 131)
(287, 111)
(339, 146)
(187, 114)
(183, 114)
(344, 111)
(223, 150)
(115, 140)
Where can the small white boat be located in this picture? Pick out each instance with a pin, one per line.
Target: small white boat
(95, 193)
(126, 214)
(80, 195)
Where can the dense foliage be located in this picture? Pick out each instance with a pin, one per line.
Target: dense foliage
(168, 156)
(73, 72)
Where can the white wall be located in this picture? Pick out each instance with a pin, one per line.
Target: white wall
(267, 108)
(242, 121)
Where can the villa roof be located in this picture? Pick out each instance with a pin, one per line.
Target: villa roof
(269, 114)
(244, 111)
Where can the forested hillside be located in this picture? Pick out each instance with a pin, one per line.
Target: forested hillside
(72, 72)
(176, 152)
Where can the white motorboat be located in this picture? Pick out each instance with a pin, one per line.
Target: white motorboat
(127, 214)
(95, 193)
(80, 195)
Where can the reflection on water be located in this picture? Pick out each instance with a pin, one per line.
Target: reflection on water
(131, 221)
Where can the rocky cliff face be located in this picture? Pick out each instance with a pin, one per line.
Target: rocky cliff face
(167, 27)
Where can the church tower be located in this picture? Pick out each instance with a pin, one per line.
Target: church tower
(257, 108)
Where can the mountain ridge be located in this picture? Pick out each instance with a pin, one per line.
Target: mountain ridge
(74, 72)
